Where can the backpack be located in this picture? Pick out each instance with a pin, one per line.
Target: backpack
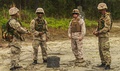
(8, 32)
(6, 35)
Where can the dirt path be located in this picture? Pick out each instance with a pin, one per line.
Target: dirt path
(63, 50)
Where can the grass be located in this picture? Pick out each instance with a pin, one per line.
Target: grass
(27, 16)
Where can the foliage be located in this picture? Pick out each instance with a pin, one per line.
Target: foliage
(63, 8)
(53, 23)
(58, 23)
(90, 23)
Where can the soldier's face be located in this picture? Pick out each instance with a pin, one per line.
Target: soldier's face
(102, 11)
(75, 15)
(39, 15)
(17, 14)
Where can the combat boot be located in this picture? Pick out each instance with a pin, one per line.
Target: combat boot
(80, 60)
(17, 67)
(35, 62)
(107, 67)
(102, 65)
(12, 68)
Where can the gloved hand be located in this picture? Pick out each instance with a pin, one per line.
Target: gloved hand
(96, 33)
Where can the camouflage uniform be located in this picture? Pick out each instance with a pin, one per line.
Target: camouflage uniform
(104, 26)
(39, 25)
(104, 45)
(14, 44)
(77, 29)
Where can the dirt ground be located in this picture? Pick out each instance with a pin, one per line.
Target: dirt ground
(62, 49)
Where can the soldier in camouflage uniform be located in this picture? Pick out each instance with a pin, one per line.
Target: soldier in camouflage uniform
(15, 30)
(76, 33)
(102, 32)
(39, 29)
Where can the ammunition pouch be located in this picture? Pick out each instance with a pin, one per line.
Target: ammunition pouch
(7, 36)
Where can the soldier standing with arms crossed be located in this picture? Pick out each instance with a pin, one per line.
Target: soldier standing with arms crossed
(38, 27)
(102, 32)
(76, 33)
(15, 30)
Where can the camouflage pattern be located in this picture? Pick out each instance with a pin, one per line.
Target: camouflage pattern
(104, 45)
(75, 11)
(102, 6)
(13, 10)
(104, 50)
(15, 56)
(39, 40)
(75, 42)
(15, 43)
(40, 10)
(104, 25)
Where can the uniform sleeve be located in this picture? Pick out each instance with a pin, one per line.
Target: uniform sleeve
(16, 25)
(107, 23)
(32, 28)
(83, 28)
(69, 30)
(46, 26)
(47, 33)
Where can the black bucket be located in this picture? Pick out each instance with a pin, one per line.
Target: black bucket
(53, 62)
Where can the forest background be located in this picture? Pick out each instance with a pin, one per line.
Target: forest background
(58, 13)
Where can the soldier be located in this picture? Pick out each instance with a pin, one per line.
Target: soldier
(15, 30)
(82, 14)
(102, 32)
(76, 33)
(39, 29)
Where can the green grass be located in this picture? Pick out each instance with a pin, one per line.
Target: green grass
(64, 23)
(90, 23)
(54, 23)
(27, 16)
(58, 23)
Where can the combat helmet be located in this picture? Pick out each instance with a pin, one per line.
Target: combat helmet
(75, 11)
(13, 10)
(40, 10)
(102, 6)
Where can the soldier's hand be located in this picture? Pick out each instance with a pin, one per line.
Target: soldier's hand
(28, 32)
(96, 33)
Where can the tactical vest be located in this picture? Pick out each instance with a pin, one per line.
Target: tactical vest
(7, 32)
(101, 23)
(12, 32)
(75, 26)
(9, 28)
(40, 25)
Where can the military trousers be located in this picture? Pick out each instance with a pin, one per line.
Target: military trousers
(104, 50)
(77, 48)
(15, 54)
(36, 43)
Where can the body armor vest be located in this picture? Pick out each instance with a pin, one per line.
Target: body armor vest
(12, 32)
(101, 24)
(75, 26)
(40, 25)
(9, 28)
